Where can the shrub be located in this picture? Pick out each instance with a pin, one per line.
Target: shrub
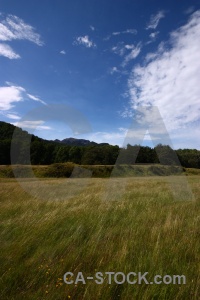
(60, 170)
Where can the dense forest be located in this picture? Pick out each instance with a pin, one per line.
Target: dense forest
(28, 148)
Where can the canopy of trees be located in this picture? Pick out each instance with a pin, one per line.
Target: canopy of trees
(43, 152)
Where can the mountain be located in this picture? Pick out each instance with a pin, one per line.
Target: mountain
(79, 142)
(7, 129)
(23, 148)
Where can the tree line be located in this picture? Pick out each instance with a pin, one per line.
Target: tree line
(28, 148)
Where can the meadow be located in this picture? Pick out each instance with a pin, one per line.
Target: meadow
(139, 228)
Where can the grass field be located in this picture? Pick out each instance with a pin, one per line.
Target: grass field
(65, 170)
(139, 229)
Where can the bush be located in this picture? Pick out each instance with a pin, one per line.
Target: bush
(60, 170)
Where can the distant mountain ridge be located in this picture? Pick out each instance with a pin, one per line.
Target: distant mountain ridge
(7, 129)
(78, 142)
(30, 148)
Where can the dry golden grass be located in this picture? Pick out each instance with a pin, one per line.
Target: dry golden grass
(137, 226)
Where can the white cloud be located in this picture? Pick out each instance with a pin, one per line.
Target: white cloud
(62, 52)
(114, 70)
(92, 28)
(5, 33)
(32, 125)
(13, 116)
(122, 50)
(11, 94)
(130, 31)
(150, 56)
(14, 28)
(155, 19)
(85, 41)
(186, 137)
(119, 49)
(169, 78)
(35, 98)
(113, 138)
(121, 136)
(135, 51)
(153, 35)
(129, 47)
(116, 33)
(127, 31)
(7, 51)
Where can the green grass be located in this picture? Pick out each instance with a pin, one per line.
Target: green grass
(141, 228)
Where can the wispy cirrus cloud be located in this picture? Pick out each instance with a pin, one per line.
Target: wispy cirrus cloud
(130, 31)
(134, 52)
(115, 33)
(35, 98)
(14, 28)
(155, 19)
(92, 28)
(119, 49)
(85, 41)
(169, 78)
(11, 94)
(128, 52)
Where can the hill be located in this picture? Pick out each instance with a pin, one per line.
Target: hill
(46, 152)
(79, 142)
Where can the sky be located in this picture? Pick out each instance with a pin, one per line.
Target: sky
(124, 66)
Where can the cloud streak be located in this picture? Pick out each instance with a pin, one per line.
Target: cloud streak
(128, 31)
(135, 51)
(35, 98)
(155, 19)
(129, 52)
(115, 33)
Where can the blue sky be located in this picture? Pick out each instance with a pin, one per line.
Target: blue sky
(105, 59)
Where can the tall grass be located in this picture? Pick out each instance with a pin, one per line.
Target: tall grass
(144, 230)
(60, 170)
